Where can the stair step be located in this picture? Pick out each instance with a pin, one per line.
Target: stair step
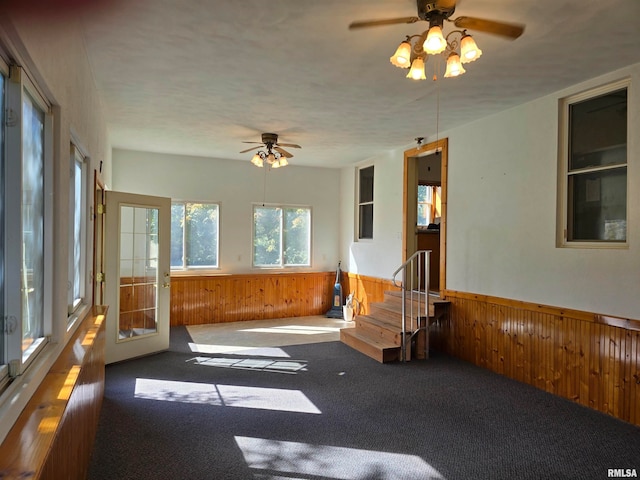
(380, 328)
(380, 350)
(379, 334)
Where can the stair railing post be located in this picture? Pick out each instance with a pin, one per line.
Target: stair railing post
(427, 270)
(403, 341)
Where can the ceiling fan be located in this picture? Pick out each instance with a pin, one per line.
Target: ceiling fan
(270, 143)
(436, 12)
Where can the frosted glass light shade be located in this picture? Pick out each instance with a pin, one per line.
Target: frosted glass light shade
(454, 67)
(469, 51)
(435, 42)
(402, 57)
(417, 69)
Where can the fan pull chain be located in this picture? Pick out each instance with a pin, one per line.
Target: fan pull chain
(264, 186)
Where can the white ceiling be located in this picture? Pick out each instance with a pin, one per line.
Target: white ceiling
(199, 77)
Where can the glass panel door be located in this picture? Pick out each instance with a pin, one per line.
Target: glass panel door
(137, 274)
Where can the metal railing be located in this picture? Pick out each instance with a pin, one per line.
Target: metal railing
(415, 297)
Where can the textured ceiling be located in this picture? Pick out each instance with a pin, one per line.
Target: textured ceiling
(199, 77)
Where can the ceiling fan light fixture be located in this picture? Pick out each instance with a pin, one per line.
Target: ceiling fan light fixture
(257, 160)
(435, 42)
(417, 69)
(469, 50)
(283, 161)
(402, 57)
(454, 66)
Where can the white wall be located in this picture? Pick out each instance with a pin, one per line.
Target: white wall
(502, 207)
(237, 185)
(380, 256)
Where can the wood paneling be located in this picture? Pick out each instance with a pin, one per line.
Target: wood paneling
(591, 359)
(366, 290)
(53, 436)
(231, 298)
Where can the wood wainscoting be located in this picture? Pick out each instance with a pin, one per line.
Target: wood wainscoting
(197, 300)
(54, 435)
(365, 289)
(591, 359)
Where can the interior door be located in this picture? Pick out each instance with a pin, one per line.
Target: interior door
(137, 274)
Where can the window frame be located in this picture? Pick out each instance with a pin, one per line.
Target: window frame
(565, 173)
(18, 86)
(75, 304)
(184, 267)
(360, 203)
(432, 205)
(281, 264)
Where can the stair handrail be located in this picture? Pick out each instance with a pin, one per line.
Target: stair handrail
(411, 287)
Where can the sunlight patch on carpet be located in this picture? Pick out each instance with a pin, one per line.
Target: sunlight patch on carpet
(313, 461)
(293, 330)
(224, 395)
(238, 350)
(262, 364)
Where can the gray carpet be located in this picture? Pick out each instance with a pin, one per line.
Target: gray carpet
(328, 412)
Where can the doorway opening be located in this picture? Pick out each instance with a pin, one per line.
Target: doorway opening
(426, 166)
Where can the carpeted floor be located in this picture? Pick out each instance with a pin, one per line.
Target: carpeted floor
(324, 411)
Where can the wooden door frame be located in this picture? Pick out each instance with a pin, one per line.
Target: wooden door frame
(408, 224)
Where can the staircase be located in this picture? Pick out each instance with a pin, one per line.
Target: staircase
(382, 334)
(379, 334)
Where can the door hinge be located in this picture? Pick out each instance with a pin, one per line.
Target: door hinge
(100, 277)
(101, 208)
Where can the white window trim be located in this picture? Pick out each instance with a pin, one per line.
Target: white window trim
(563, 167)
(77, 305)
(282, 265)
(16, 84)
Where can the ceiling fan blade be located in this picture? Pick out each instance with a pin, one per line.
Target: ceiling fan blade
(283, 152)
(292, 145)
(249, 149)
(445, 4)
(378, 23)
(261, 143)
(511, 30)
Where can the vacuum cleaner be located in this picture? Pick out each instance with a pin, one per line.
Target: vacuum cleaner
(336, 302)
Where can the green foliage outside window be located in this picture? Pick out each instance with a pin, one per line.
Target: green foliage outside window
(281, 236)
(194, 235)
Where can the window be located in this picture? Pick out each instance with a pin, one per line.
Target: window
(27, 251)
(77, 230)
(365, 203)
(3, 327)
(194, 235)
(428, 204)
(594, 162)
(281, 236)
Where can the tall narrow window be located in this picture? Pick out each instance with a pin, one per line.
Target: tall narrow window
(194, 235)
(595, 166)
(77, 229)
(3, 355)
(365, 203)
(281, 236)
(26, 263)
(32, 225)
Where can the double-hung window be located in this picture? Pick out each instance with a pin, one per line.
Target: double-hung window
(26, 220)
(77, 230)
(281, 236)
(365, 203)
(194, 235)
(429, 204)
(593, 162)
